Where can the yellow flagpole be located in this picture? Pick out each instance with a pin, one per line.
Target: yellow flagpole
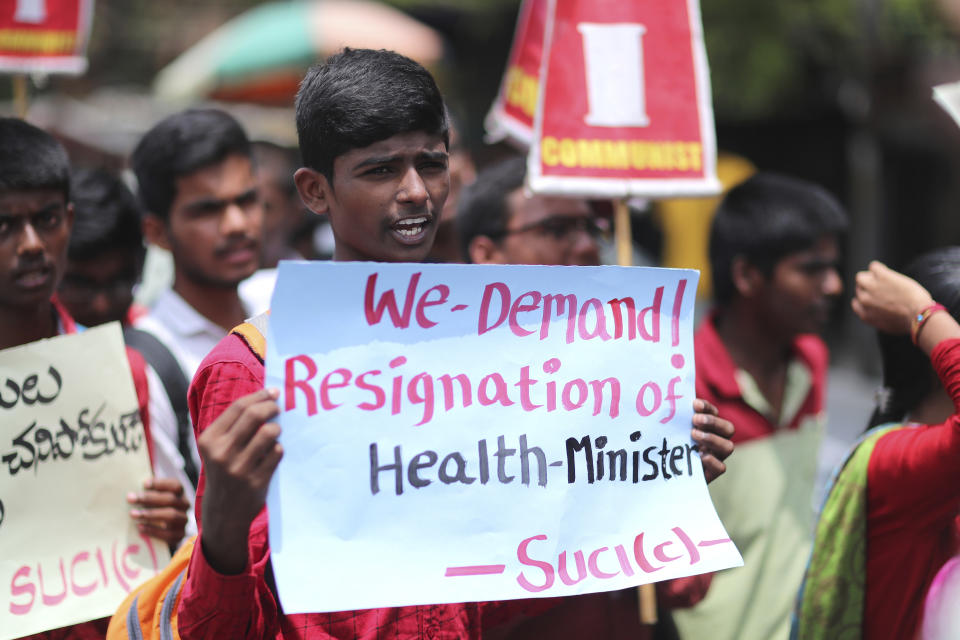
(21, 95)
(622, 235)
(623, 238)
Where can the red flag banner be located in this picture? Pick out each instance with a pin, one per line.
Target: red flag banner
(624, 107)
(511, 115)
(44, 36)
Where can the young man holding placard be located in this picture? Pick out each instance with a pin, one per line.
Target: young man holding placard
(374, 136)
(35, 222)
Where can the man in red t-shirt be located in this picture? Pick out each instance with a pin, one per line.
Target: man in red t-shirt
(774, 252)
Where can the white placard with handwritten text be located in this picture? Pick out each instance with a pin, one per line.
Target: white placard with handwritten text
(456, 433)
(71, 448)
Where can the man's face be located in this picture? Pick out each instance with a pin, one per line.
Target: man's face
(213, 230)
(799, 294)
(281, 214)
(385, 200)
(548, 230)
(99, 290)
(34, 232)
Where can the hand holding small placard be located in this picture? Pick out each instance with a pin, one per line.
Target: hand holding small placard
(71, 447)
(483, 433)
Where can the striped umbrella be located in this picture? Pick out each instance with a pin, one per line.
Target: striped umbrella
(260, 55)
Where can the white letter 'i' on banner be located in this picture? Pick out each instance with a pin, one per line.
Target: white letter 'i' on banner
(613, 56)
(30, 11)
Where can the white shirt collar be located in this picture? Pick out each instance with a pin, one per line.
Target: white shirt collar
(175, 312)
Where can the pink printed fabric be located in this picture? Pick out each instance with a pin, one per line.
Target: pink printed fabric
(941, 614)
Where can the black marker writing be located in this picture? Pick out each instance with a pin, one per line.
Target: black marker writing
(29, 391)
(95, 436)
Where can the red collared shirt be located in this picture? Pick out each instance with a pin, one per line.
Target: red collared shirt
(717, 383)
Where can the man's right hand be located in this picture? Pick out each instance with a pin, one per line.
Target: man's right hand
(240, 453)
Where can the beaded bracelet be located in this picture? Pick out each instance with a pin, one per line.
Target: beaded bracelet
(921, 319)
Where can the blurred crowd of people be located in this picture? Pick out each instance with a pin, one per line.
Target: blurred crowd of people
(380, 175)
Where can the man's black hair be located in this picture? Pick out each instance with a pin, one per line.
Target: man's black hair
(179, 145)
(106, 216)
(765, 219)
(361, 96)
(483, 209)
(30, 158)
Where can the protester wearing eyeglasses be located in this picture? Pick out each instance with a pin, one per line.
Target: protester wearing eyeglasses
(498, 223)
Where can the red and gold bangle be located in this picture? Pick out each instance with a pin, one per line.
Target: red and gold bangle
(921, 319)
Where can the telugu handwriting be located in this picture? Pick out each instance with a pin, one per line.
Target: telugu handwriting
(31, 390)
(91, 434)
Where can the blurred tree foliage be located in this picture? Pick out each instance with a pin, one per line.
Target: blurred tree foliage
(768, 57)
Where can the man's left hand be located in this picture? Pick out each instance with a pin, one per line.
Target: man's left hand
(160, 510)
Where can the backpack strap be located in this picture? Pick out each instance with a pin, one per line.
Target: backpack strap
(175, 384)
(252, 332)
(169, 606)
(149, 612)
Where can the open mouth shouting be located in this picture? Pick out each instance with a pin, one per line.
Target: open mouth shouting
(413, 229)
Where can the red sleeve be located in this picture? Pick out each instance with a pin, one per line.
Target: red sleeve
(912, 502)
(214, 605)
(138, 370)
(913, 473)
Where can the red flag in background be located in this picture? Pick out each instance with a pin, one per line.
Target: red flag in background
(624, 106)
(511, 115)
(44, 36)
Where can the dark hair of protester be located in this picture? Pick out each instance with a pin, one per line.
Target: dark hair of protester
(106, 215)
(361, 96)
(907, 374)
(483, 204)
(766, 218)
(30, 158)
(278, 162)
(179, 145)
